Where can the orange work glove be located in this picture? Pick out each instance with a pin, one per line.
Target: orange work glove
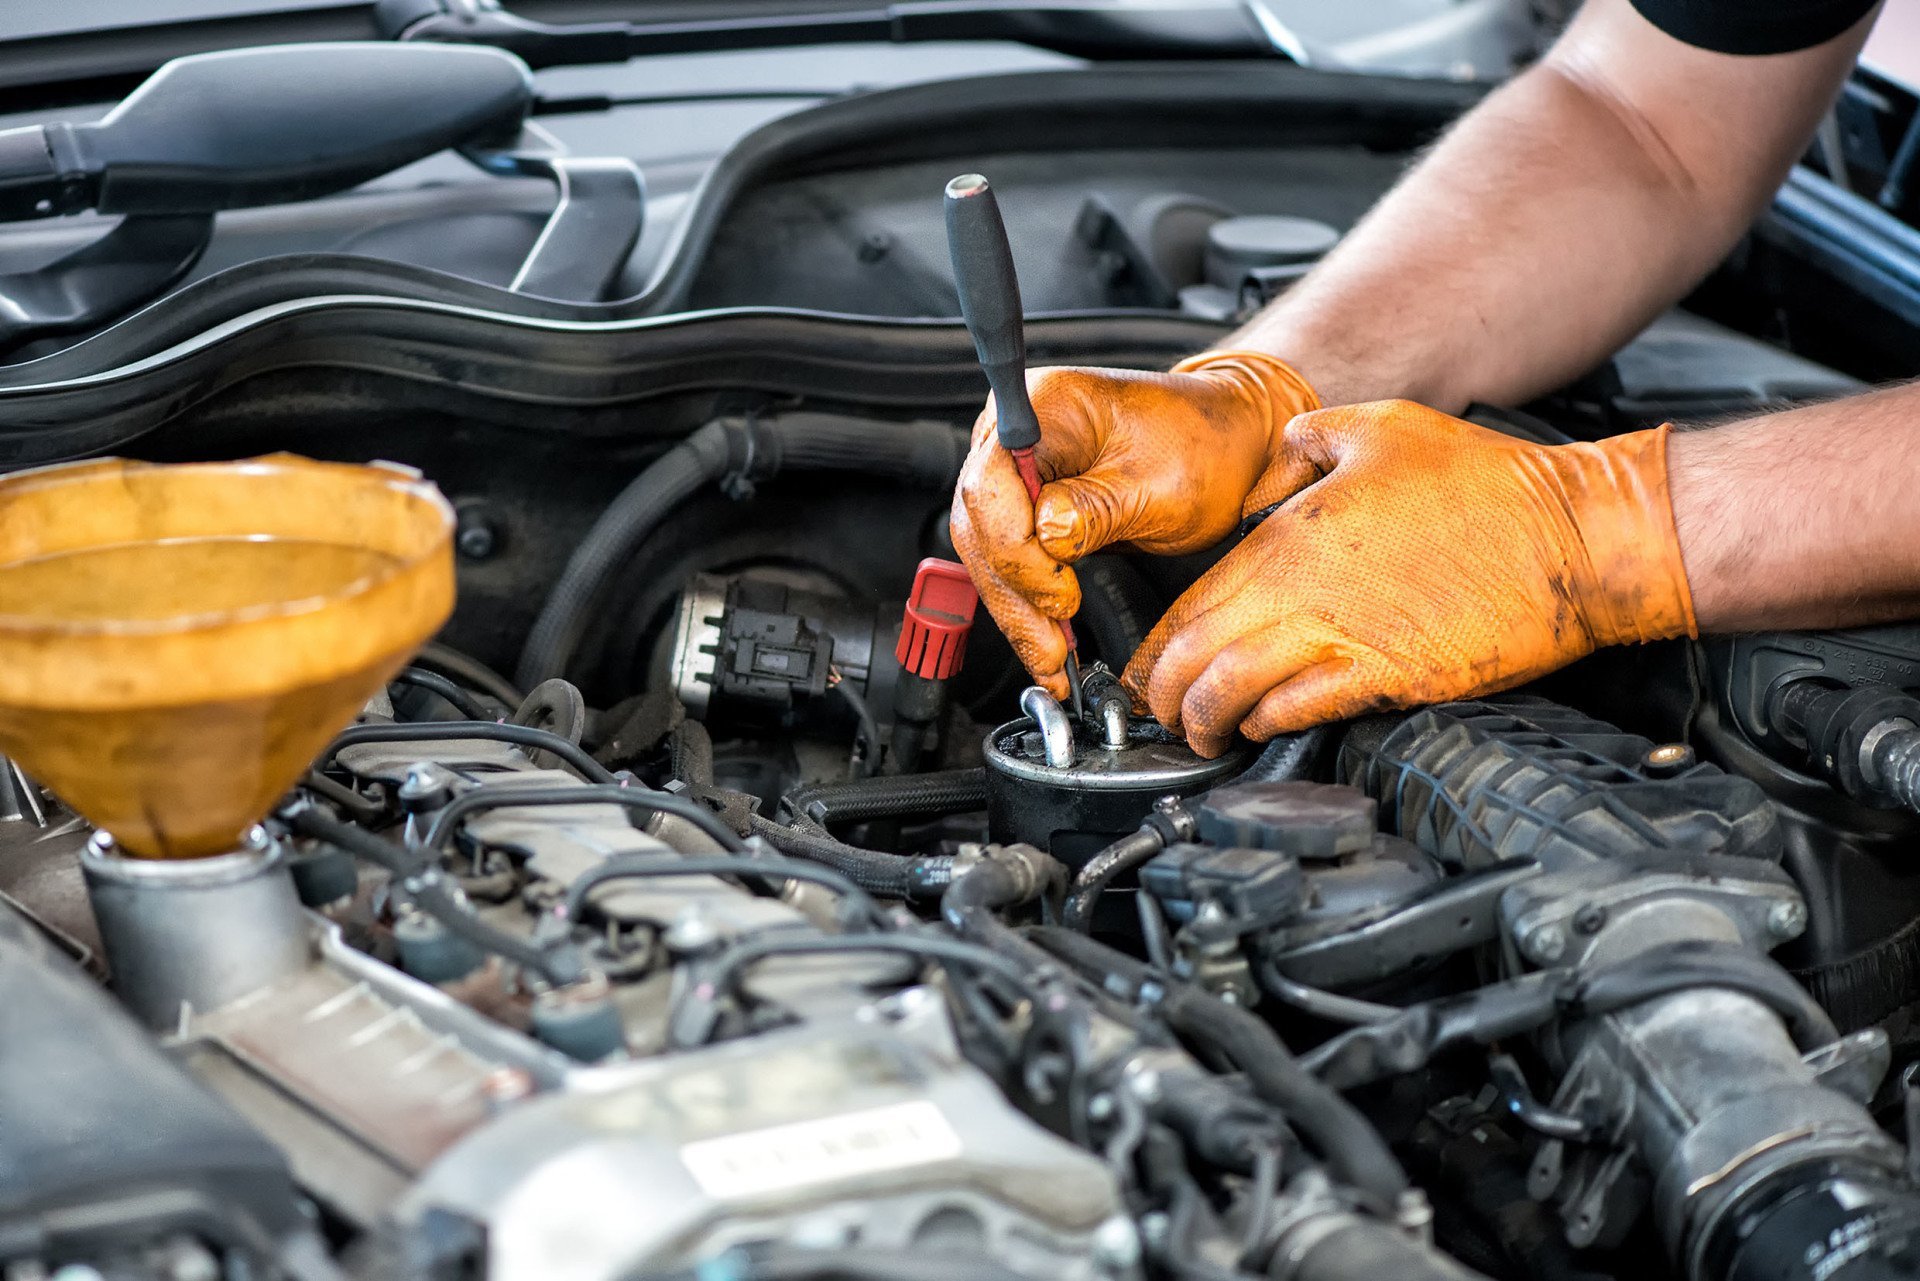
(1167, 462)
(1432, 560)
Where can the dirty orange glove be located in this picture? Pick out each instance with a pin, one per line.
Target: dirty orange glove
(1166, 462)
(1433, 560)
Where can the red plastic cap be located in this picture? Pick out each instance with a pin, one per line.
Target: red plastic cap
(933, 636)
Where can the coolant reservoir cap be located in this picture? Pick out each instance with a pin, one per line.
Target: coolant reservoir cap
(1306, 820)
(1268, 240)
(177, 641)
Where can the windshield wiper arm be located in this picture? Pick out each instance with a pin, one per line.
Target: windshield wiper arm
(1083, 28)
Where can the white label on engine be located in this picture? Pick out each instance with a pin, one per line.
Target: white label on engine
(836, 1147)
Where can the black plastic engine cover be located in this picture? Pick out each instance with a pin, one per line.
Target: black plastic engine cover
(105, 1142)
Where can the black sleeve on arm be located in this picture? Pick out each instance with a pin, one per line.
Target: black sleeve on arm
(1754, 26)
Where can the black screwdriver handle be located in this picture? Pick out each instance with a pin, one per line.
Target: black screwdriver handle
(990, 302)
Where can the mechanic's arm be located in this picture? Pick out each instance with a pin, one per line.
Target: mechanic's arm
(1555, 220)
(1434, 560)
(1550, 225)
(1803, 519)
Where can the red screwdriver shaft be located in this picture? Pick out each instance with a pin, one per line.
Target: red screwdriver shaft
(1030, 477)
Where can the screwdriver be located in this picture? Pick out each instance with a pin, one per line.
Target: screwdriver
(990, 304)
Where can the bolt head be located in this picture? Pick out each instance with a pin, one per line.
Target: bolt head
(1547, 943)
(1786, 919)
(1589, 919)
(424, 784)
(691, 930)
(475, 541)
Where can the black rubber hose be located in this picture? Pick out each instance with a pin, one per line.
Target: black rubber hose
(343, 797)
(1331, 1006)
(1414, 1036)
(442, 731)
(469, 670)
(557, 966)
(927, 454)
(875, 871)
(1345, 1139)
(616, 867)
(307, 820)
(868, 760)
(858, 800)
(755, 948)
(1288, 757)
(699, 460)
(434, 683)
(690, 753)
(924, 454)
(416, 877)
(1117, 606)
(971, 903)
(1103, 869)
(457, 810)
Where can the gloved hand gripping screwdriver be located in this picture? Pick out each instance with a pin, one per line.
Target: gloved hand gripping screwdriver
(990, 303)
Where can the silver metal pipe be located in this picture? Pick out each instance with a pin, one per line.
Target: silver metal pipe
(198, 932)
(1056, 730)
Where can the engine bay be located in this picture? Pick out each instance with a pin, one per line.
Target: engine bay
(713, 897)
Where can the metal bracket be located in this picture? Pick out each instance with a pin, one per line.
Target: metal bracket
(1598, 1186)
(594, 225)
(1854, 1065)
(1456, 913)
(1555, 919)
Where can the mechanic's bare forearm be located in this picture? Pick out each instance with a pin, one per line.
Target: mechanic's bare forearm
(1803, 519)
(1555, 220)
(1535, 238)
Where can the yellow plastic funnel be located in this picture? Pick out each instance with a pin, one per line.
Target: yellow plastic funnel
(178, 641)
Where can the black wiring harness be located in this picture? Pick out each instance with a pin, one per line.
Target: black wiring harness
(1417, 1034)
